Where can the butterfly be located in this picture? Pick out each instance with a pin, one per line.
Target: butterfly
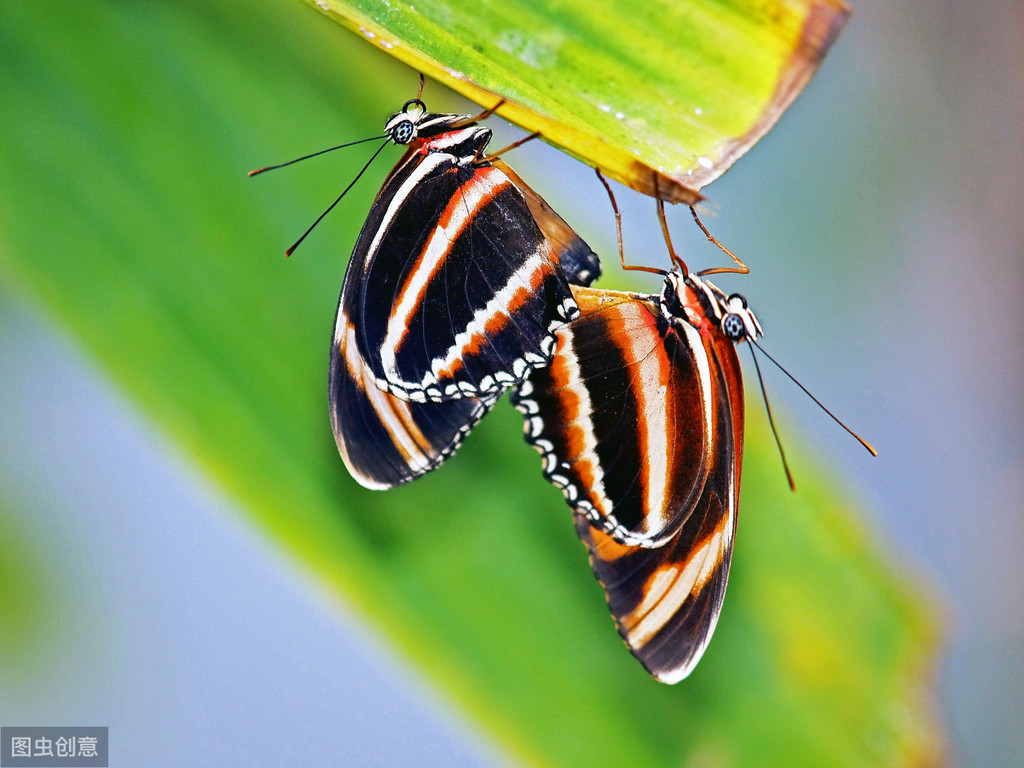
(639, 420)
(456, 285)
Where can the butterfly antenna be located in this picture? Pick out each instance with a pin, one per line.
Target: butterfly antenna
(321, 152)
(741, 269)
(835, 418)
(618, 230)
(331, 206)
(771, 420)
(419, 93)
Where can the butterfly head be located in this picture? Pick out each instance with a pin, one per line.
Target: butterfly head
(414, 122)
(738, 321)
(701, 302)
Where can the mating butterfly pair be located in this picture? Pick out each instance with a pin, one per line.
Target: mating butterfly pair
(464, 283)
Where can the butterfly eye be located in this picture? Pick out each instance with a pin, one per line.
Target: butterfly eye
(733, 326)
(403, 132)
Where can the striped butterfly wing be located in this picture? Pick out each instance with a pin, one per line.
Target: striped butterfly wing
(386, 439)
(639, 419)
(624, 386)
(455, 287)
(576, 261)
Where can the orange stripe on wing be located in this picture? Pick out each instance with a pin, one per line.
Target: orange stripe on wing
(624, 324)
(634, 329)
(464, 206)
(606, 548)
(498, 321)
(672, 584)
(576, 415)
(394, 414)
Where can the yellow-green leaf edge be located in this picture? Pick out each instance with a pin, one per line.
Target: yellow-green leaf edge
(662, 96)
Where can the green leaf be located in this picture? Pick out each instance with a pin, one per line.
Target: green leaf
(125, 213)
(655, 92)
(28, 602)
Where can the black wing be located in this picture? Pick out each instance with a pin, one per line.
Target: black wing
(454, 286)
(386, 441)
(388, 435)
(637, 421)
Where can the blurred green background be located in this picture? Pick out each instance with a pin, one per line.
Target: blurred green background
(882, 221)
